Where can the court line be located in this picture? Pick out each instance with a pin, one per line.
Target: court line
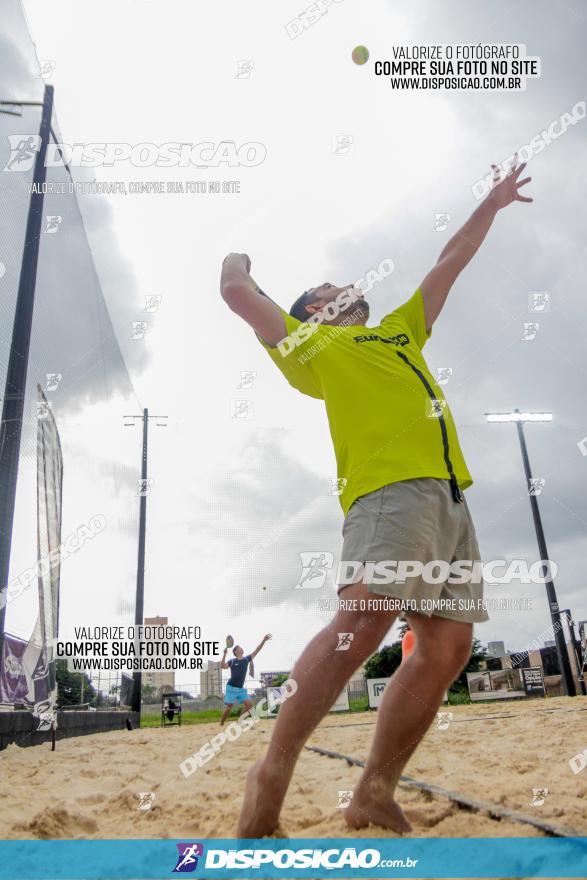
(463, 801)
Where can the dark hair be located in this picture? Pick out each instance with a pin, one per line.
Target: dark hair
(234, 649)
(298, 310)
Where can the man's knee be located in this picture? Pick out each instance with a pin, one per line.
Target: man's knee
(446, 643)
(456, 648)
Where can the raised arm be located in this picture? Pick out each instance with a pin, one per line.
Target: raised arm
(258, 648)
(223, 663)
(245, 298)
(464, 245)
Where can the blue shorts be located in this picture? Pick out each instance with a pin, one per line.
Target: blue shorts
(235, 695)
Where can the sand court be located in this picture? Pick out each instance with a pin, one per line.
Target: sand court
(90, 786)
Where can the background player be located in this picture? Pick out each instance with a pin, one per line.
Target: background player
(235, 688)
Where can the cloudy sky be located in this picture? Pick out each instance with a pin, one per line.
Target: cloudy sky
(235, 501)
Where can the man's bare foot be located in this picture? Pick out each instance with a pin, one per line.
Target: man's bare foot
(264, 794)
(371, 805)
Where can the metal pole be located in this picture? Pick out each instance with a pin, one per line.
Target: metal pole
(576, 648)
(561, 648)
(139, 612)
(13, 404)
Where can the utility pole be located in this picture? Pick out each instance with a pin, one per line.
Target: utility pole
(555, 614)
(559, 635)
(576, 649)
(137, 677)
(16, 375)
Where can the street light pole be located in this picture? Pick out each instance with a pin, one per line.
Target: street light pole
(561, 648)
(555, 616)
(576, 649)
(140, 591)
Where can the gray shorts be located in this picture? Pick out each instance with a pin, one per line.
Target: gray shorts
(415, 521)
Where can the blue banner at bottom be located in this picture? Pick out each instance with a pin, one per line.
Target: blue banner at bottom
(519, 857)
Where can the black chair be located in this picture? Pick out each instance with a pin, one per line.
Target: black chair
(171, 708)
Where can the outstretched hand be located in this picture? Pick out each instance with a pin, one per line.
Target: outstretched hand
(507, 189)
(242, 261)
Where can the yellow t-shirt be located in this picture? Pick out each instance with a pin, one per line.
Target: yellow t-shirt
(389, 420)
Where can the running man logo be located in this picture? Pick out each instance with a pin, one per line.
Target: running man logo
(152, 302)
(344, 799)
(337, 485)
(52, 223)
(139, 328)
(247, 380)
(578, 762)
(539, 301)
(443, 375)
(342, 144)
(47, 68)
(187, 860)
(145, 487)
(536, 485)
(539, 795)
(441, 222)
(53, 380)
(344, 641)
(244, 68)
(435, 408)
(43, 408)
(23, 151)
(530, 331)
(315, 567)
(443, 720)
(241, 409)
(47, 718)
(146, 799)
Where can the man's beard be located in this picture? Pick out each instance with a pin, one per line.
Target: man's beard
(358, 311)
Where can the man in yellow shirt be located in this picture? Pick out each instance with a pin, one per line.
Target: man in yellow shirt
(407, 524)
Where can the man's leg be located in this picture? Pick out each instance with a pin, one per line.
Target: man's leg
(246, 706)
(320, 674)
(407, 709)
(226, 713)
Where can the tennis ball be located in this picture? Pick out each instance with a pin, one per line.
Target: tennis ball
(360, 54)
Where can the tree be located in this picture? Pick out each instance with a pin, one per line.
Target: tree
(69, 686)
(402, 629)
(478, 653)
(148, 693)
(278, 680)
(384, 662)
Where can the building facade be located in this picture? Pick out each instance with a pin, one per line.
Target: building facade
(160, 680)
(211, 680)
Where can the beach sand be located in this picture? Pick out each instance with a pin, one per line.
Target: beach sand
(88, 787)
